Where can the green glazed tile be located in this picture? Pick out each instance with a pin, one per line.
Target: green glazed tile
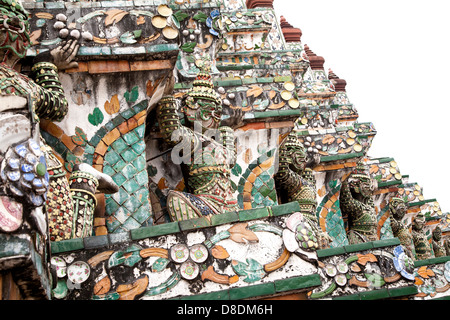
(252, 214)
(96, 242)
(386, 243)
(375, 294)
(296, 283)
(197, 223)
(252, 291)
(330, 252)
(67, 245)
(286, 208)
(218, 295)
(155, 231)
(405, 291)
(348, 297)
(224, 218)
(358, 247)
(131, 186)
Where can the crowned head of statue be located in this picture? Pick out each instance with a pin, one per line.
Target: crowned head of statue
(14, 32)
(202, 104)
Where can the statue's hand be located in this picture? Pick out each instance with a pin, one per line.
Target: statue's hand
(63, 56)
(313, 160)
(236, 119)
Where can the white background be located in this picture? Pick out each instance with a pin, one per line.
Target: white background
(395, 57)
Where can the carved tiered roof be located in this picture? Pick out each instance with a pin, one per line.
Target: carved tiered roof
(316, 62)
(290, 33)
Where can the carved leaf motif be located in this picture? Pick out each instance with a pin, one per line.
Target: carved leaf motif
(328, 139)
(212, 275)
(114, 15)
(425, 273)
(277, 106)
(255, 91)
(80, 137)
(252, 270)
(240, 234)
(130, 291)
(102, 286)
(363, 259)
(99, 258)
(375, 279)
(132, 96)
(96, 117)
(219, 252)
(113, 106)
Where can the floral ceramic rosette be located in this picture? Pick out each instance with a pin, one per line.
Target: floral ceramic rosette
(24, 172)
(403, 263)
(300, 237)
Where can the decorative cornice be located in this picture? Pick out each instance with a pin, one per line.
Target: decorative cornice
(316, 62)
(290, 33)
(251, 4)
(339, 84)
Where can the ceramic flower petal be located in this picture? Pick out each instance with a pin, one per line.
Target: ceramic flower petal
(290, 240)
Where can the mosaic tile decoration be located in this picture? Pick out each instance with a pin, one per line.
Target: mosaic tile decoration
(330, 216)
(117, 149)
(256, 186)
(384, 223)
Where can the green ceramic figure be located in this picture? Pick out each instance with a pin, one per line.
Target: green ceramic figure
(295, 179)
(438, 247)
(420, 239)
(357, 204)
(203, 146)
(397, 211)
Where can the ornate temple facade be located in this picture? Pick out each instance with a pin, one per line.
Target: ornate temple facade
(195, 149)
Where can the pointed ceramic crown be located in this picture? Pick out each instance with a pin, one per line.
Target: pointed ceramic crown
(203, 86)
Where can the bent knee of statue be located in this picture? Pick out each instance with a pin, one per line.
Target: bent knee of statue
(184, 206)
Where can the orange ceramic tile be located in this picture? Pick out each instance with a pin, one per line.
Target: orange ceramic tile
(101, 148)
(51, 128)
(324, 212)
(123, 127)
(251, 178)
(99, 222)
(67, 142)
(248, 187)
(257, 171)
(141, 121)
(266, 165)
(108, 66)
(247, 205)
(111, 136)
(150, 65)
(98, 167)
